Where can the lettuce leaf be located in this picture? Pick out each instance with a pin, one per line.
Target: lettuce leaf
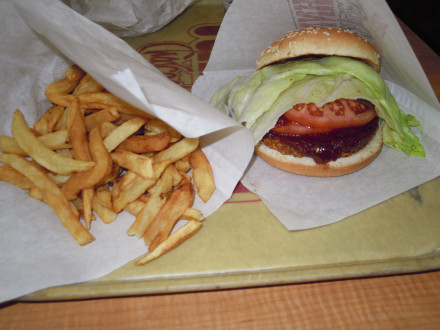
(259, 99)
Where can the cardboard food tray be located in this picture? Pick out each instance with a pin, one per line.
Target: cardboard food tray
(243, 244)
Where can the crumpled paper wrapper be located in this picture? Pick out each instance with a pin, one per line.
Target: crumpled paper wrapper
(41, 39)
(130, 18)
(305, 202)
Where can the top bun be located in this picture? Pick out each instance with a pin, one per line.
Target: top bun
(321, 42)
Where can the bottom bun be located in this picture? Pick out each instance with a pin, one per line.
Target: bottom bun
(308, 167)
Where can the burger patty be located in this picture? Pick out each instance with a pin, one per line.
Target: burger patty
(323, 147)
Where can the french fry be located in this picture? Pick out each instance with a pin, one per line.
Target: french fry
(103, 196)
(89, 178)
(67, 84)
(8, 174)
(183, 164)
(171, 211)
(100, 100)
(108, 100)
(87, 196)
(36, 193)
(192, 214)
(47, 122)
(54, 141)
(106, 128)
(62, 122)
(59, 179)
(42, 154)
(157, 192)
(74, 73)
(141, 144)
(52, 196)
(67, 153)
(118, 135)
(177, 151)
(174, 240)
(98, 117)
(77, 132)
(202, 174)
(87, 85)
(135, 207)
(141, 165)
(105, 213)
(78, 137)
(131, 192)
(156, 126)
(122, 182)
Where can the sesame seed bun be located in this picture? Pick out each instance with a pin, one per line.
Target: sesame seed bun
(308, 167)
(321, 42)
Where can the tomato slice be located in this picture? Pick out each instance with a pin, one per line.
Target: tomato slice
(337, 114)
(289, 127)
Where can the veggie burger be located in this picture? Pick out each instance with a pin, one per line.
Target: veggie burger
(317, 106)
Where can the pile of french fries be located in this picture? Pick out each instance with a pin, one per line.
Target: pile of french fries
(93, 155)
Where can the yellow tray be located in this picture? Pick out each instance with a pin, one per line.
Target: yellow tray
(243, 244)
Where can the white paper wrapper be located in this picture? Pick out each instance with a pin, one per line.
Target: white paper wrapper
(37, 251)
(129, 18)
(303, 202)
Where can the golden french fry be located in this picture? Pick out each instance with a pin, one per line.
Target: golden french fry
(66, 152)
(103, 196)
(98, 117)
(174, 240)
(61, 124)
(144, 198)
(77, 132)
(80, 146)
(74, 73)
(107, 100)
(156, 126)
(135, 207)
(131, 192)
(158, 193)
(106, 214)
(170, 212)
(120, 133)
(67, 84)
(87, 196)
(183, 164)
(36, 193)
(177, 151)
(63, 100)
(87, 85)
(75, 210)
(106, 128)
(97, 101)
(52, 196)
(54, 141)
(8, 174)
(42, 154)
(46, 123)
(122, 182)
(89, 178)
(59, 179)
(63, 86)
(202, 174)
(141, 165)
(112, 177)
(192, 214)
(141, 144)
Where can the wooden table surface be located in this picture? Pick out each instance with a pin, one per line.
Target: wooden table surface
(391, 302)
